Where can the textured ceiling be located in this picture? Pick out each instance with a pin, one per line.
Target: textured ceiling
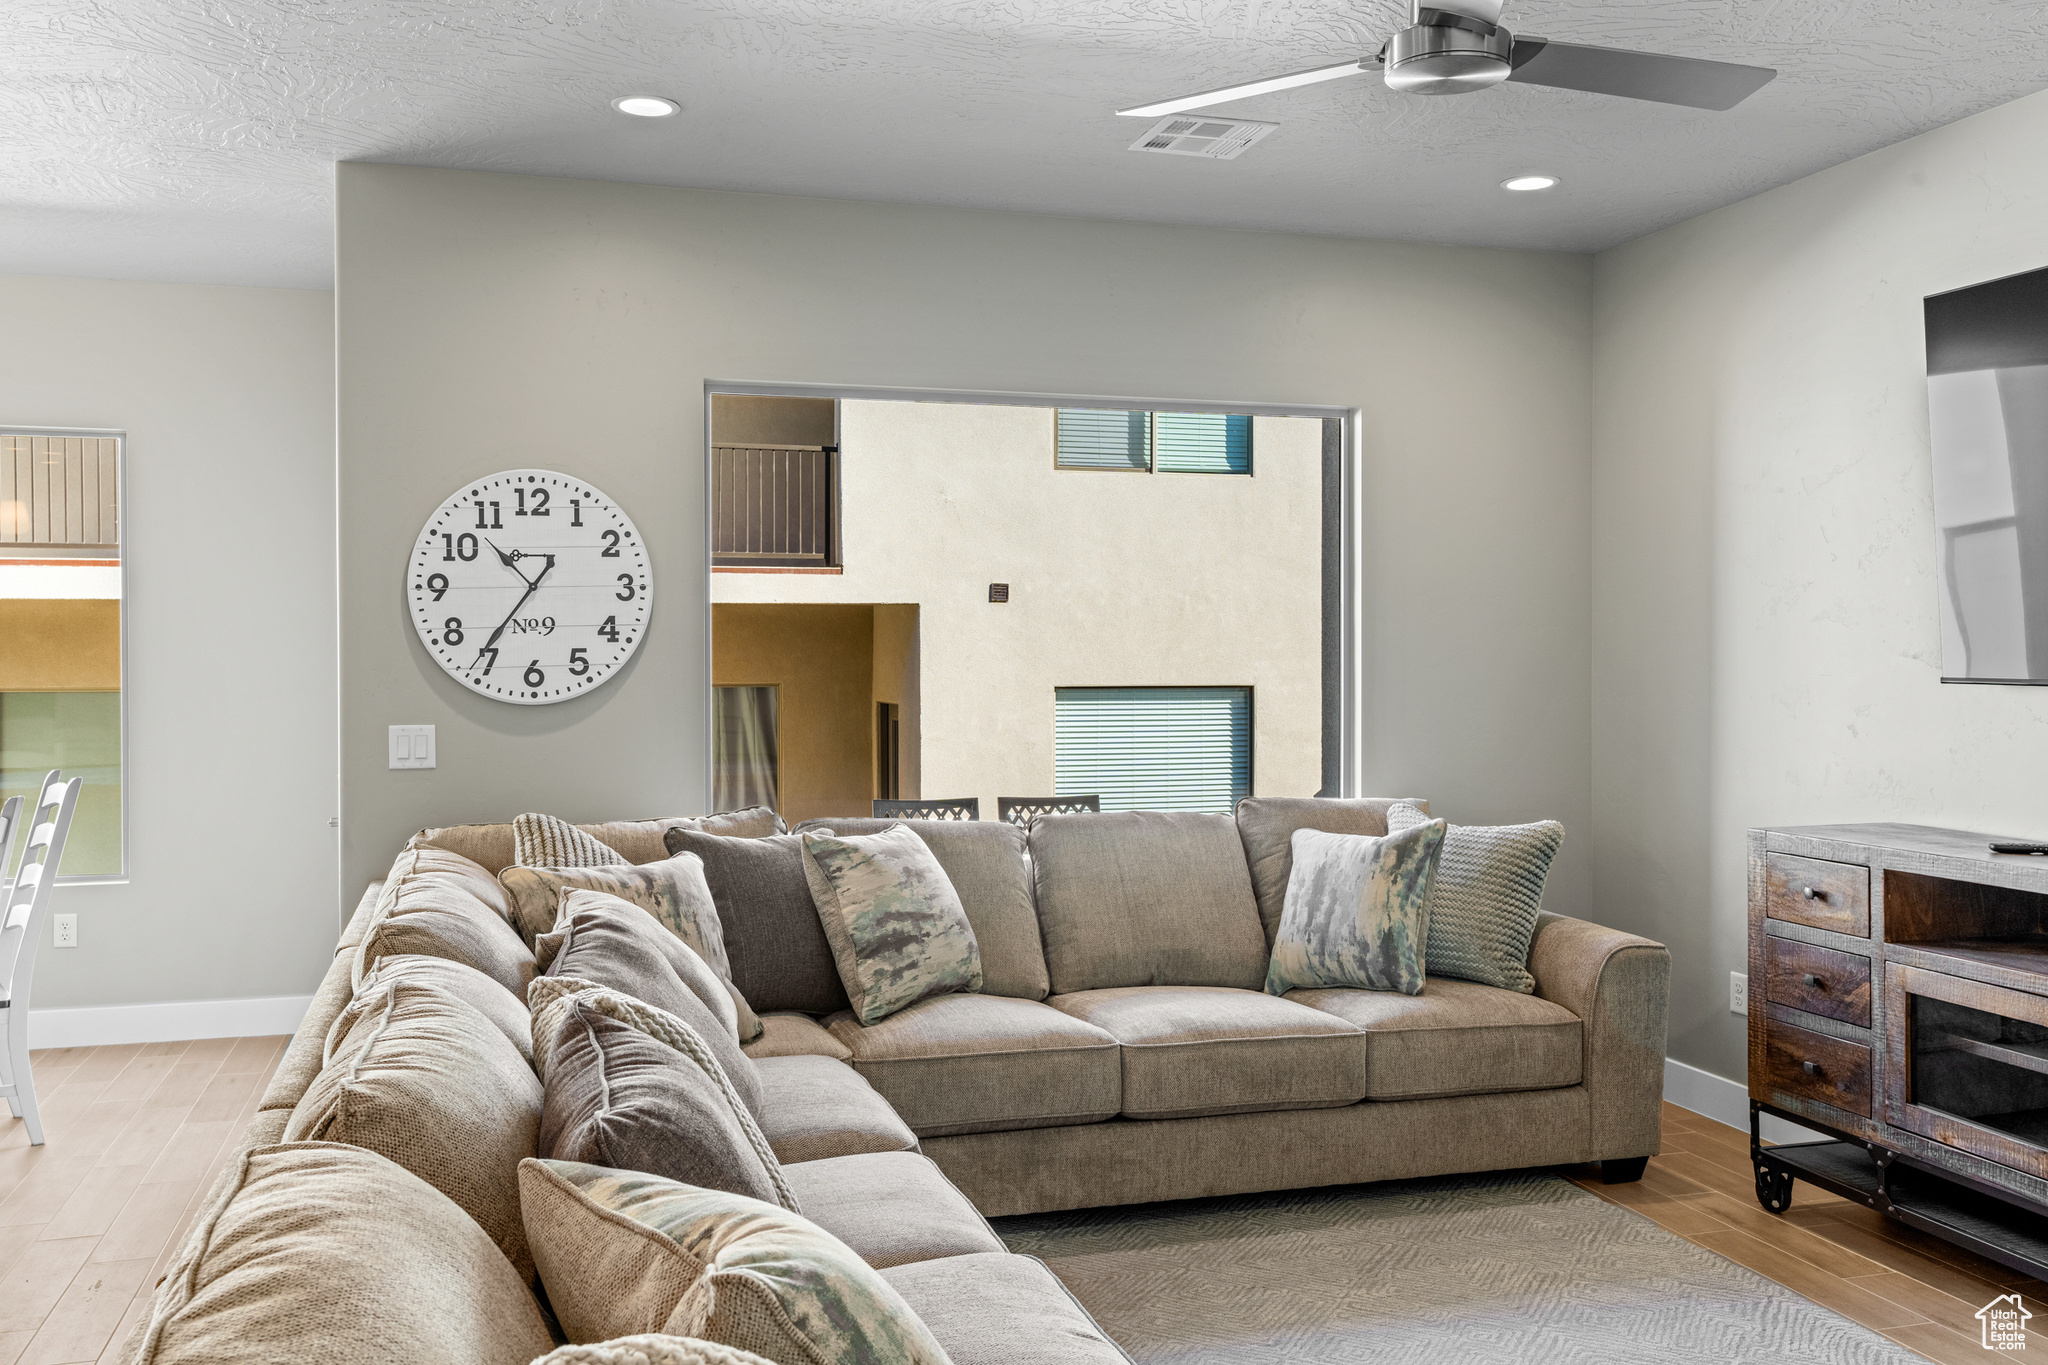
(195, 141)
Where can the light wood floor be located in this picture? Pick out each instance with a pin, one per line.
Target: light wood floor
(1918, 1290)
(137, 1134)
(89, 1220)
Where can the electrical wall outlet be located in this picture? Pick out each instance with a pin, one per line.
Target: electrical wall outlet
(412, 746)
(1738, 992)
(63, 931)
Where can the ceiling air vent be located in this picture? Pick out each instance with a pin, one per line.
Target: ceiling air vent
(1188, 135)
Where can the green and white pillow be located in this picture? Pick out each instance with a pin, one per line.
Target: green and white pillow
(898, 931)
(623, 1253)
(1485, 897)
(544, 841)
(1357, 911)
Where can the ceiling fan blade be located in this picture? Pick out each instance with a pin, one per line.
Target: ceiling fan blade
(1636, 75)
(1237, 92)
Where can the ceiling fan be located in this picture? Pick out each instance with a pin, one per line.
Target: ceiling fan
(1452, 47)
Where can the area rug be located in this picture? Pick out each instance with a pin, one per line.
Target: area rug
(1514, 1268)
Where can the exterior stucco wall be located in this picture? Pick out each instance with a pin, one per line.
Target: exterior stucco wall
(1116, 580)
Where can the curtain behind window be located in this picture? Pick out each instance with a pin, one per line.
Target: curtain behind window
(743, 748)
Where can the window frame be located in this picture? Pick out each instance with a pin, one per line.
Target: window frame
(1251, 724)
(1152, 416)
(120, 438)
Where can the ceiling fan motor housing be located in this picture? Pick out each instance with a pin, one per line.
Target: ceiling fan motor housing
(1447, 54)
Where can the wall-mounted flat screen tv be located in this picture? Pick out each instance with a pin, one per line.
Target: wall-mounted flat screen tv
(1987, 408)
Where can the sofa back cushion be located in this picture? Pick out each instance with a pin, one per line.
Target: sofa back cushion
(441, 904)
(985, 861)
(1145, 898)
(638, 841)
(617, 1096)
(467, 984)
(324, 1254)
(608, 942)
(773, 937)
(1265, 824)
(424, 1079)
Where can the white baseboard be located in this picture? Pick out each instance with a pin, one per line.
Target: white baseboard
(173, 1020)
(1724, 1101)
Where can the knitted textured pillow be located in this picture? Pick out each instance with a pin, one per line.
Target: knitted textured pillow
(1484, 898)
(651, 1348)
(544, 841)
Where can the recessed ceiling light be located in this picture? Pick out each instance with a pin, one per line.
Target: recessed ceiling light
(1524, 183)
(645, 106)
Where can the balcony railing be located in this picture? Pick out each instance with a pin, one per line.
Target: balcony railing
(58, 490)
(774, 506)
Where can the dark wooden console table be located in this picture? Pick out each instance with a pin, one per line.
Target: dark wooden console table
(1898, 1002)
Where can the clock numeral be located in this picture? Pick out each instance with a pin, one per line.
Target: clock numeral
(462, 547)
(494, 524)
(611, 548)
(579, 662)
(438, 585)
(451, 630)
(610, 629)
(540, 503)
(533, 677)
(575, 511)
(625, 592)
(491, 662)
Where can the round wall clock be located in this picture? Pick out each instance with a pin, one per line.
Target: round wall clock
(529, 586)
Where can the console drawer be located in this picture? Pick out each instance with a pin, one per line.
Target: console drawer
(1819, 894)
(1817, 1066)
(1818, 980)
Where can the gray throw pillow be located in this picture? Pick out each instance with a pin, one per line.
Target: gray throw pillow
(616, 1097)
(1357, 911)
(609, 941)
(780, 957)
(897, 930)
(1485, 896)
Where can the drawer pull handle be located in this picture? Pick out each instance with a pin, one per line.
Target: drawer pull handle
(1810, 1068)
(1815, 982)
(1813, 893)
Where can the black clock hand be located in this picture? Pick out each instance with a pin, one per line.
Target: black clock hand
(532, 586)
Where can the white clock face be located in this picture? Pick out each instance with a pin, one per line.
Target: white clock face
(529, 586)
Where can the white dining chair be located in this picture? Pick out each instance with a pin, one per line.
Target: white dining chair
(22, 913)
(9, 813)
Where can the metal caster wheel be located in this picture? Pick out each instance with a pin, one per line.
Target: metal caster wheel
(1773, 1189)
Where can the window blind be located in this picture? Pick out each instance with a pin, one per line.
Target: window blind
(1097, 438)
(1204, 442)
(1154, 748)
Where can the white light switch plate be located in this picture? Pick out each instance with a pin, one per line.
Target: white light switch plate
(1738, 992)
(412, 746)
(63, 931)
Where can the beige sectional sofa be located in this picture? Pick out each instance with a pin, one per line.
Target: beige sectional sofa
(1122, 1051)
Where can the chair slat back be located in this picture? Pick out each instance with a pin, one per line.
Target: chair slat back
(29, 897)
(10, 816)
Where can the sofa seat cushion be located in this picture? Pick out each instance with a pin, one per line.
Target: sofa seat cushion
(984, 1063)
(892, 1208)
(325, 1254)
(814, 1108)
(1191, 1050)
(1457, 1038)
(1000, 1309)
(794, 1035)
(1144, 898)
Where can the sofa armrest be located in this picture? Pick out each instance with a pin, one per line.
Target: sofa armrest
(1620, 986)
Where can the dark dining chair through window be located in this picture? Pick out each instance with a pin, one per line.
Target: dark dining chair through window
(1022, 810)
(960, 808)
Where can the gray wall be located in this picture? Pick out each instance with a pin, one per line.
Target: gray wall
(1765, 642)
(492, 321)
(227, 398)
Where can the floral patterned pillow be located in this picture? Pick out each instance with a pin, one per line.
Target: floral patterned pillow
(623, 1253)
(1357, 911)
(898, 931)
